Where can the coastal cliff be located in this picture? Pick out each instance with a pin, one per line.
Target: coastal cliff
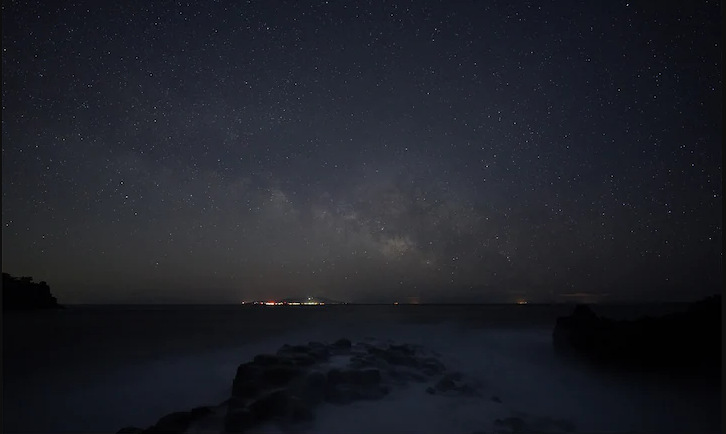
(21, 293)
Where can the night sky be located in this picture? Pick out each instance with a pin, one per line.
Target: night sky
(211, 152)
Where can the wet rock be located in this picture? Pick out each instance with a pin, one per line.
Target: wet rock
(398, 376)
(279, 375)
(342, 344)
(403, 376)
(176, 422)
(304, 360)
(430, 366)
(239, 420)
(286, 351)
(235, 403)
(511, 424)
(376, 351)
(404, 349)
(299, 411)
(346, 386)
(448, 382)
(246, 389)
(375, 392)
(280, 406)
(247, 383)
(362, 347)
(319, 351)
(312, 387)
(445, 384)
(198, 412)
(366, 360)
(285, 387)
(338, 395)
(247, 370)
(363, 377)
(346, 393)
(285, 348)
(273, 405)
(360, 361)
(264, 373)
(452, 384)
(336, 376)
(394, 356)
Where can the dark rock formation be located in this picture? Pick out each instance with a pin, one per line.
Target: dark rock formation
(239, 419)
(341, 345)
(284, 388)
(22, 293)
(346, 386)
(453, 384)
(312, 387)
(678, 341)
(173, 423)
(278, 404)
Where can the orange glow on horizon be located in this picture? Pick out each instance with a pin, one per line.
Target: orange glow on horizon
(286, 303)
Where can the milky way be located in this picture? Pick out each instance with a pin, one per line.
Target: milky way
(363, 150)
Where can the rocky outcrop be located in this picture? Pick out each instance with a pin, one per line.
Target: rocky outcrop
(21, 293)
(453, 384)
(679, 341)
(286, 387)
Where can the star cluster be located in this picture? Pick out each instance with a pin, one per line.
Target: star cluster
(362, 150)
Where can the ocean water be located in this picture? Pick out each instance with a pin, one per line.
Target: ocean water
(98, 369)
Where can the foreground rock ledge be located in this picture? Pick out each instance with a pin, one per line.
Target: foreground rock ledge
(285, 388)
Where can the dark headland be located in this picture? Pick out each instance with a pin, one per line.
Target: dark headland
(21, 293)
(687, 341)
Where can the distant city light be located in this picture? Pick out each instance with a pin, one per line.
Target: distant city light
(309, 302)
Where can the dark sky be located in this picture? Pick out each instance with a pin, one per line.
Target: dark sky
(362, 150)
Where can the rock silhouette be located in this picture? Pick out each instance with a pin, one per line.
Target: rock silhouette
(286, 387)
(681, 341)
(21, 293)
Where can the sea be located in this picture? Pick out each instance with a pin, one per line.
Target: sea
(101, 368)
